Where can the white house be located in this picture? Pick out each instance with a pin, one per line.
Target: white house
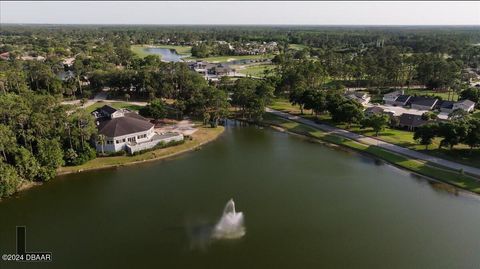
(465, 105)
(125, 130)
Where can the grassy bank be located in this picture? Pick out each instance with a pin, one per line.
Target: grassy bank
(423, 168)
(202, 136)
(460, 153)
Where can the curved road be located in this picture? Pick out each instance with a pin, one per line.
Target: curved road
(376, 142)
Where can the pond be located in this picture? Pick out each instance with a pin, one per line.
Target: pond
(167, 55)
(305, 206)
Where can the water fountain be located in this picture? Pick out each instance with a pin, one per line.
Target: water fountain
(230, 225)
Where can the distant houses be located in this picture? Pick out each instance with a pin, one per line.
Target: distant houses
(128, 131)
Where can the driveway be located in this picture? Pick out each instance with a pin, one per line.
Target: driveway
(379, 143)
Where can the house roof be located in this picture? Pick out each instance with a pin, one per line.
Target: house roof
(466, 102)
(411, 120)
(403, 98)
(128, 124)
(423, 101)
(374, 110)
(446, 104)
(106, 109)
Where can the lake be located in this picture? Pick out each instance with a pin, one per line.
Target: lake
(305, 206)
(167, 55)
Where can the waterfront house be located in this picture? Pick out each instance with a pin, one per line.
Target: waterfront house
(423, 103)
(126, 130)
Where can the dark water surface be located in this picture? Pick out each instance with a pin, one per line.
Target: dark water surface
(305, 206)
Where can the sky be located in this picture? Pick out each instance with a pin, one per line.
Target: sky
(254, 12)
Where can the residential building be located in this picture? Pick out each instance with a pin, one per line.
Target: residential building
(402, 100)
(446, 106)
(361, 97)
(423, 103)
(389, 98)
(374, 110)
(465, 105)
(411, 121)
(126, 130)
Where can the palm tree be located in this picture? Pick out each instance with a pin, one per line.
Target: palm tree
(101, 139)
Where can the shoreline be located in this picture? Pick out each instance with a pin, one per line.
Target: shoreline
(417, 167)
(192, 146)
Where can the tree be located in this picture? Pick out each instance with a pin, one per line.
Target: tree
(377, 122)
(26, 164)
(316, 100)
(473, 134)
(472, 94)
(429, 116)
(452, 133)
(156, 109)
(348, 112)
(101, 139)
(458, 114)
(50, 157)
(426, 133)
(9, 181)
(7, 140)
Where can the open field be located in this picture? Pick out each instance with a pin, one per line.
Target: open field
(297, 46)
(202, 136)
(449, 176)
(256, 70)
(443, 95)
(461, 153)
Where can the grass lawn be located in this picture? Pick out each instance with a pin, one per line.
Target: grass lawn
(297, 46)
(444, 95)
(256, 70)
(460, 153)
(117, 105)
(476, 114)
(140, 50)
(203, 135)
(452, 177)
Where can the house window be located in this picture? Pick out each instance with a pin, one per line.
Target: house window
(109, 142)
(131, 139)
(141, 136)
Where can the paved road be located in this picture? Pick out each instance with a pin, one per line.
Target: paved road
(376, 142)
